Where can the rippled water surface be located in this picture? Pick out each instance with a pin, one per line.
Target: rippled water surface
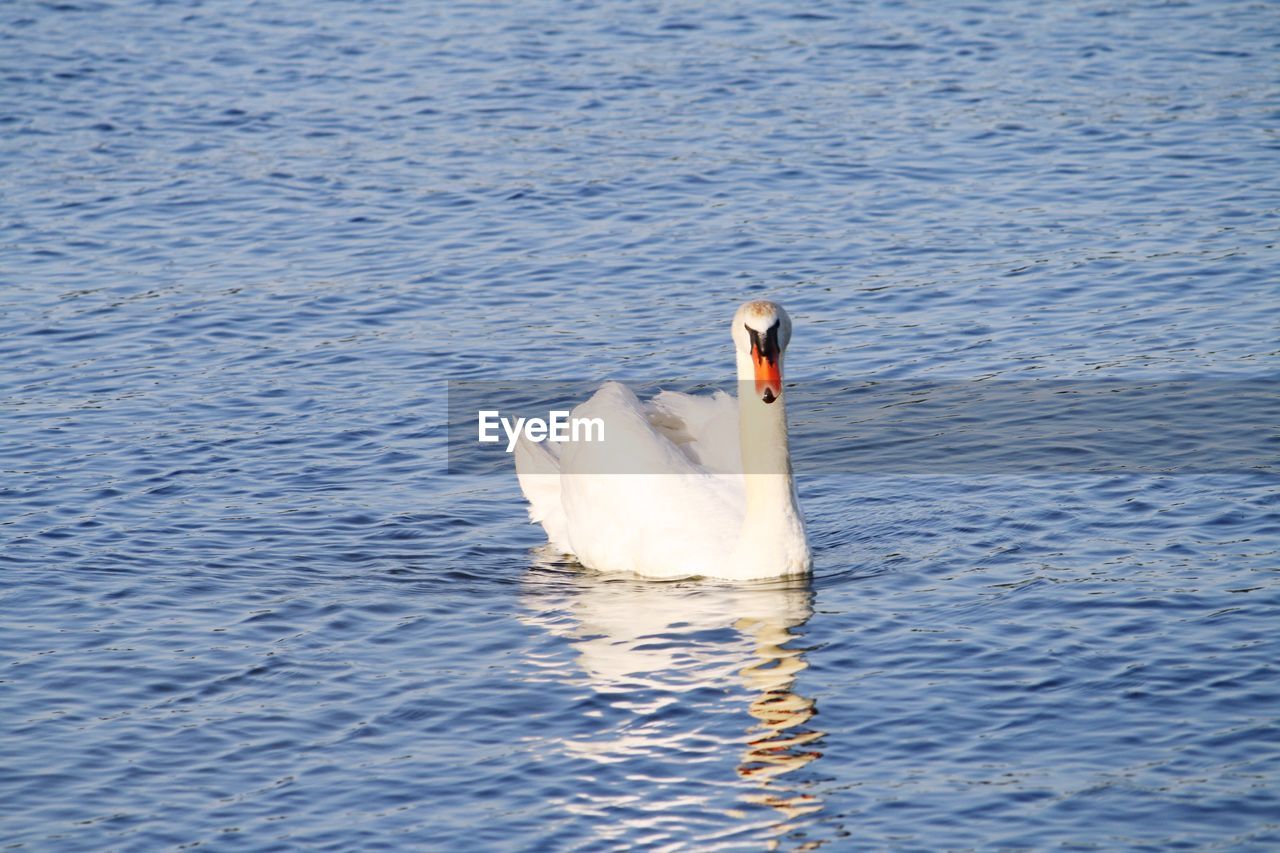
(243, 248)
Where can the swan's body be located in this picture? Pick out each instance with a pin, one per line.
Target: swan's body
(683, 485)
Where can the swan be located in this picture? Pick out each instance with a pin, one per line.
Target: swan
(714, 495)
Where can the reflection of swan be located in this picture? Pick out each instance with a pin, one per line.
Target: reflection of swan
(667, 666)
(777, 745)
(710, 490)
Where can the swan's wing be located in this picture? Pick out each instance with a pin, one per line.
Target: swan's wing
(637, 502)
(704, 428)
(633, 443)
(538, 470)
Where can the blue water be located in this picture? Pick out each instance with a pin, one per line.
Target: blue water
(244, 246)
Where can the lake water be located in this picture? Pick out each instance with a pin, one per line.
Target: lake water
(244, 248)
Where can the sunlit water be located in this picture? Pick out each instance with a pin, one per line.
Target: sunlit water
(244, 247)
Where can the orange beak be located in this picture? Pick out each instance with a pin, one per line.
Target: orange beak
(768, 377)
(766, 355)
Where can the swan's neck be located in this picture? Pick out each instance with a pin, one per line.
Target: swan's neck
(773, 528)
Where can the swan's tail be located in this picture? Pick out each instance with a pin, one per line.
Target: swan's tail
(539, 474)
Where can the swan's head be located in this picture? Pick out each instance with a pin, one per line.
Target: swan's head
(762, 331)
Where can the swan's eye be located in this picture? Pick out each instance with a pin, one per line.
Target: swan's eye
(764, 347)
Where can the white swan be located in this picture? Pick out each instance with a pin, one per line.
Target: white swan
(714, 494)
